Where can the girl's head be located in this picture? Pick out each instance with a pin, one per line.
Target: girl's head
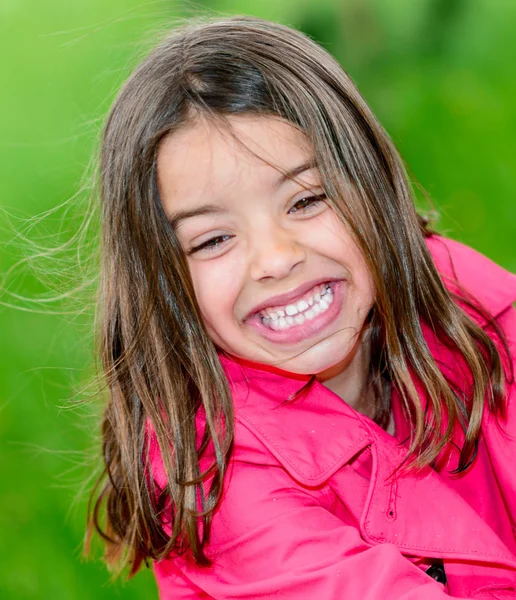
(242, 173)
(260, 246)
(211, 123)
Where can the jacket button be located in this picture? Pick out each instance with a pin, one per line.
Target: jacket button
(437, 572)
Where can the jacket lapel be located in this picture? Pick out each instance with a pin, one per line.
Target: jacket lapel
(312, 436)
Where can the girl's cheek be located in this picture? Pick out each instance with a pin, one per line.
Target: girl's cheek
(216, 283)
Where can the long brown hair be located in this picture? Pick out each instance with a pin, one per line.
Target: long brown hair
(159, 363)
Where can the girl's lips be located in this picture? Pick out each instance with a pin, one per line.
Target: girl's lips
(290, 297)
(308, 329)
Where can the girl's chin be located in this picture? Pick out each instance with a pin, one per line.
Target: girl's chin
(322, 367)
(324, 358)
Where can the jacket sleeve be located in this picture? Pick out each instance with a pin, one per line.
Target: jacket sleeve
(270, 538)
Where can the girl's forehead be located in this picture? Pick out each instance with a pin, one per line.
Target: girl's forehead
(203, 159)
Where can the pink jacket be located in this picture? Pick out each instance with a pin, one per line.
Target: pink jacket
(308, 512)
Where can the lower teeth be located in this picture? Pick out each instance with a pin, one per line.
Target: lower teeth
(314, 310)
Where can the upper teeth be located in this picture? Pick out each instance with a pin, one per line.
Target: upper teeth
(302, 305)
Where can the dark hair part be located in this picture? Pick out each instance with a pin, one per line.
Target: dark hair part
(161, 367)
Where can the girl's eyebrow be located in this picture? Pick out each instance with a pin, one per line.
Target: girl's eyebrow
(210, 209)
(206, 209)
(311, 163)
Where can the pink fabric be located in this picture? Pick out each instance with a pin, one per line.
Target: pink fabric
(310, 513)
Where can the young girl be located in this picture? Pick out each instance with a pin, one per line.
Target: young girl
(310, 392)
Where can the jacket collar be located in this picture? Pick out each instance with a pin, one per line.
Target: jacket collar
(327, 432)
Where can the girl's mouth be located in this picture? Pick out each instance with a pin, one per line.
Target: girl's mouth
(316, 302)
(303, 319)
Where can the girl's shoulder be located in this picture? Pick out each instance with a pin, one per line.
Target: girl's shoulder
(466, 272)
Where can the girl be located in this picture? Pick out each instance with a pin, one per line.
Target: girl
(310, 392)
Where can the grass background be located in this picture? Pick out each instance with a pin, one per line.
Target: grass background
(440, 75)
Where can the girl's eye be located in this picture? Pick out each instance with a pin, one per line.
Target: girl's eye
(211, 244)
(304, 205)
(307, 204)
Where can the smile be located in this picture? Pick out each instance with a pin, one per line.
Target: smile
(309, 317)
(315, 302)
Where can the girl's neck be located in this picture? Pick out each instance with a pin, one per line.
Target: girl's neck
(350, 381)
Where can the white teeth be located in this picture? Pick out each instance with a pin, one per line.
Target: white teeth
(305, 310)
(296, 314)
(302, 305)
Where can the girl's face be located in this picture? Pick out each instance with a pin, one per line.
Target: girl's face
(277, 276)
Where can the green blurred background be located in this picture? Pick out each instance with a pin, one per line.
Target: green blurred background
(440, 75)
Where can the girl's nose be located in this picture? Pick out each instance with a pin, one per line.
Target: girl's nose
(275, 253)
